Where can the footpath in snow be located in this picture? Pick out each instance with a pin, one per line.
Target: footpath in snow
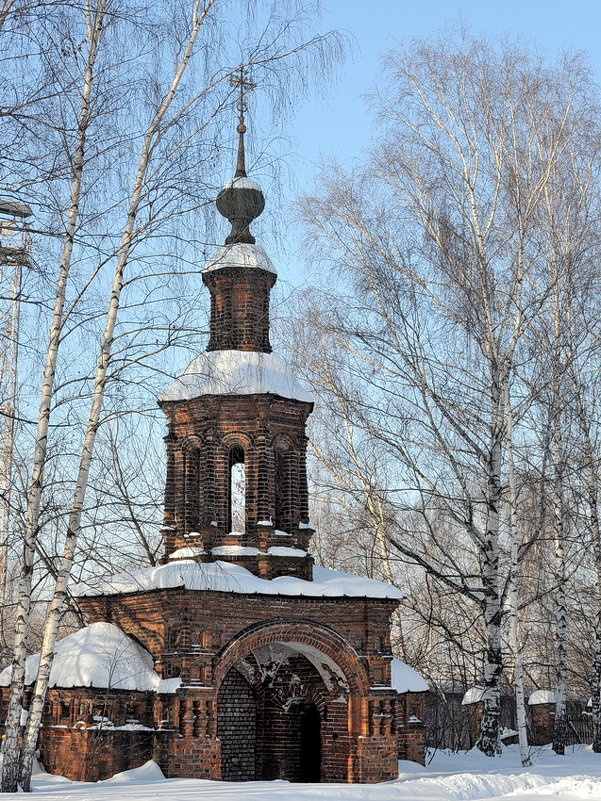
(448, 777)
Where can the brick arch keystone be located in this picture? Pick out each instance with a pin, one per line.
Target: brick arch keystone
(321, 637)
(190, 443)
(240, 438)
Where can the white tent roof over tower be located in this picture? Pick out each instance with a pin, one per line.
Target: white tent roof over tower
(235, 372)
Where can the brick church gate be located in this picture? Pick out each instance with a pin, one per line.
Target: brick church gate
(244, 660)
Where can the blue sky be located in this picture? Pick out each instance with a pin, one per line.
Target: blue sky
(339, 124)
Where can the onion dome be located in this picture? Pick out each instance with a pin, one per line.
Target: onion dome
(241, 199)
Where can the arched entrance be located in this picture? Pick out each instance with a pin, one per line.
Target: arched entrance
(269, 710)
(305, 683)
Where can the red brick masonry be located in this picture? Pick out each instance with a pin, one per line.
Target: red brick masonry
(272, 687)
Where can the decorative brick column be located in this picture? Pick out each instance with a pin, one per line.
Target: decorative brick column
(542, 717)
(411, 730)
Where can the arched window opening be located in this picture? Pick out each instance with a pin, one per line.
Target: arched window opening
(237, 491)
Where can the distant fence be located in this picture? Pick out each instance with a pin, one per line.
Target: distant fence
(579, 728)
(452, 726)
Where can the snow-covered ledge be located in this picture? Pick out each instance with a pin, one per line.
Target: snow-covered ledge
(222, 576)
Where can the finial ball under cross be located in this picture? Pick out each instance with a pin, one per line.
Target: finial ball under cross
(241, 201)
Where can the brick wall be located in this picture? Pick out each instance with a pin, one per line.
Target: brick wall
(76, 745)
(283, 723)
(206, 436)
(542, 718)
(92, 755)
(410, 724)
(186, 630)
(239, 308)
(237, 728)
(203, 635)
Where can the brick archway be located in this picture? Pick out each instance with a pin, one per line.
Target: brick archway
(301, 633)
(310, 689)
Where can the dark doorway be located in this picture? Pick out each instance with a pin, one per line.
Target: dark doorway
(289, 742)
(310, 744)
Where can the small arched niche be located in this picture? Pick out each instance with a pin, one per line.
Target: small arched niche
(192, 487)
(283, 485)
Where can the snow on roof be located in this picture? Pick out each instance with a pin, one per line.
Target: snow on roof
(239, 254)
(234, 550)
(99, 655)
(404, 679)
(235, 372)
(187, 553)
(242, 182)
(224, 577)
(542, 697)
(473, 695)
(284, 550)
(168, 685)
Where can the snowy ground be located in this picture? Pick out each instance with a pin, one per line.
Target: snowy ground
(449, 777)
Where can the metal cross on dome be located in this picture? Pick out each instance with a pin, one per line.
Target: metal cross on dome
(244, 84)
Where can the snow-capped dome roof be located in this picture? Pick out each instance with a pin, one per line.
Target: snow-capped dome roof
(235, 372)
(242, 182)
(99, 655)
(239, 254)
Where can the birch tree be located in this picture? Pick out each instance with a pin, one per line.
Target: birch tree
(515, 541)
(570, 220)
(94, 23)
(177, 113)
(199, 13)
(440, 277)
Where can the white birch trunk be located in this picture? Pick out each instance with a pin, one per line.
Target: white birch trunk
(13, 719)
(596, 668)
(590, 465)
(561, 630)
(60, 591)
(488, 738)
(596, 539)
(561, 635)
(514, 534)
(595, 531)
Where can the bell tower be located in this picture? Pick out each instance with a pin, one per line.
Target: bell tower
(236, 487)
(248, 663)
